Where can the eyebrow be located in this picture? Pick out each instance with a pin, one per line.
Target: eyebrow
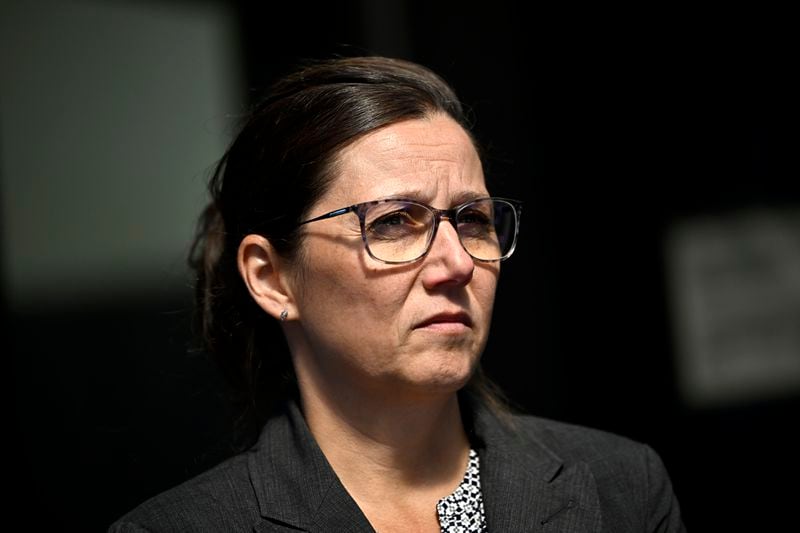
(420, 196)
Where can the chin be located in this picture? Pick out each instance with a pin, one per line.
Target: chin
(446, 374)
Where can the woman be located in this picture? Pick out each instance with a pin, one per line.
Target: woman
(352, 212)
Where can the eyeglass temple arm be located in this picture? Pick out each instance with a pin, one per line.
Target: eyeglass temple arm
(332, 214)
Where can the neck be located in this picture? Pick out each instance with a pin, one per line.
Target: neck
(379, 444)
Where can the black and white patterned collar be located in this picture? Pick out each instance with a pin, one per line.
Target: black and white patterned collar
(462, 510)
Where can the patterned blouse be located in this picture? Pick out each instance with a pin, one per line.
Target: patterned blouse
(462, 510)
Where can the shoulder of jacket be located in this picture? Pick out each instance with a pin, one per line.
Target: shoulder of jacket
(572, 441)
(215, 497)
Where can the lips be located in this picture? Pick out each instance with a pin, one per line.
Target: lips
(444, 318)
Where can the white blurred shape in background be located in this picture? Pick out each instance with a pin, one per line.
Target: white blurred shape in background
(735, 288)
(112, 115)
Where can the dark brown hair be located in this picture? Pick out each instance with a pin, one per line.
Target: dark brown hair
(278, 166)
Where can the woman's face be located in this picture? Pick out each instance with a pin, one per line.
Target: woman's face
(415, 328)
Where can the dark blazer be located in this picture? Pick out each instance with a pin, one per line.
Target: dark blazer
(536, 475)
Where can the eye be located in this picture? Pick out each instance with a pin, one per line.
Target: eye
(473, 216)
(474, 223)
(395, 221)
(394, 218)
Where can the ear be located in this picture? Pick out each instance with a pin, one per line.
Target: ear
(264, 274)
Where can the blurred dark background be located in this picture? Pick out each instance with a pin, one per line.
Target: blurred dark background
(654, 292)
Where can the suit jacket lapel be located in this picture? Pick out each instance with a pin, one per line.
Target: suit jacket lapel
(295, 485)
(527, 487)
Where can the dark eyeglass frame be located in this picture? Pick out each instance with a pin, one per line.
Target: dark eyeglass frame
(451, 214)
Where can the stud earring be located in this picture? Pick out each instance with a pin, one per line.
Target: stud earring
(284, 314)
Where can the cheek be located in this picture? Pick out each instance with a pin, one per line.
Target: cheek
(340, 294)
(485, 285)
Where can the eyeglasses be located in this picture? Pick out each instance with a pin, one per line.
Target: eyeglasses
(399, 231)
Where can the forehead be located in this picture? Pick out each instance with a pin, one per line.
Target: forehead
(428, 159)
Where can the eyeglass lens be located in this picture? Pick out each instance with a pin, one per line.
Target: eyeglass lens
(400, 231)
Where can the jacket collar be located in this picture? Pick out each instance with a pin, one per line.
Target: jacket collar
(295, 485)
(524, 483)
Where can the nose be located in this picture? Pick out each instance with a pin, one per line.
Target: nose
(447, 262)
